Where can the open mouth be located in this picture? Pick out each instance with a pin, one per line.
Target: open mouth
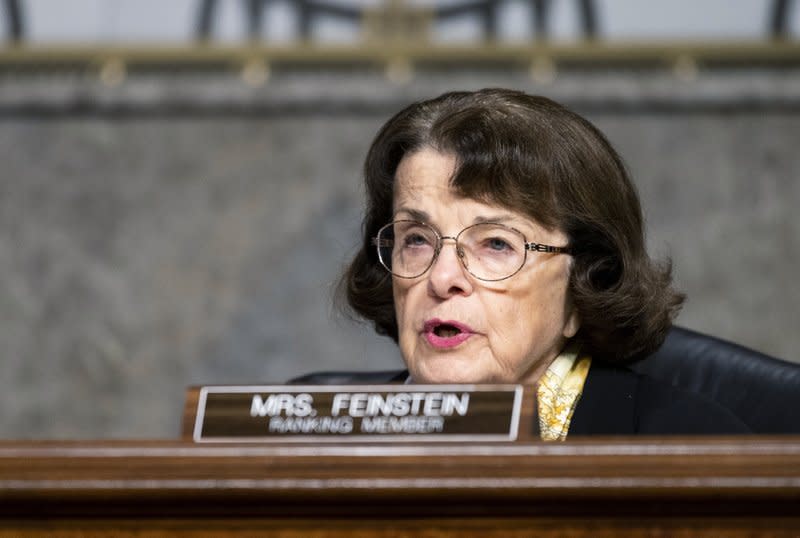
(445, 330)
(446, 334)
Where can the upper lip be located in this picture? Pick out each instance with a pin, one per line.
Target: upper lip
(431, 324)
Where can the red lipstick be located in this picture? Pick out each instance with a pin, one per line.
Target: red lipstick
(445, 334)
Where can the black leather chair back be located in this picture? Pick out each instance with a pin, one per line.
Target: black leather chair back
(762, 391)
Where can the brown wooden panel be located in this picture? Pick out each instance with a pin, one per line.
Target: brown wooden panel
(489, 528)
(608, 487)
(189, 412)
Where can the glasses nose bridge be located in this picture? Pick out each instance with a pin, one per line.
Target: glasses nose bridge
(459, 251)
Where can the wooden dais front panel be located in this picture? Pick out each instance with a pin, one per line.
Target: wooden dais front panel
(722, 487)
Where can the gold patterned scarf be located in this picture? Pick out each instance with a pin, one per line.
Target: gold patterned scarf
(559, 391)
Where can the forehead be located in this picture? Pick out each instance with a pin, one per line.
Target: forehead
(423, 172)
(423, 191)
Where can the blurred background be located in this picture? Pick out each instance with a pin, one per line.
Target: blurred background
(180, 181)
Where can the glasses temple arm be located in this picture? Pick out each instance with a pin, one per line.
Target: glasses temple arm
(538, 247)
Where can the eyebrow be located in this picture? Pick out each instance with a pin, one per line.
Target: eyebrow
(415, 214)
(500, 219)
(418, 214)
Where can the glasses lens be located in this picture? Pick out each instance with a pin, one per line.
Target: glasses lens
(407, 248)
(492, 251)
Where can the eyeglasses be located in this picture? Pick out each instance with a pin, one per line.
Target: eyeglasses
(488, 251)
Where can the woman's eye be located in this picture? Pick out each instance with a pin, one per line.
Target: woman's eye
(415, 240)
(495, 243)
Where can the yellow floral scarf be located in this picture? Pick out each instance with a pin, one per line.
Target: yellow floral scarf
(559, 391)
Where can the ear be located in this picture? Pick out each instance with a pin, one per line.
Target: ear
(572, 323)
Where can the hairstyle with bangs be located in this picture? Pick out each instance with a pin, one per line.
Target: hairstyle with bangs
(534, 156)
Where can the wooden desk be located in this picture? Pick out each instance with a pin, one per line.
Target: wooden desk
(720, 487)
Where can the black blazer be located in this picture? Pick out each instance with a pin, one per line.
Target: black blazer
(615, 401)
(618, 401)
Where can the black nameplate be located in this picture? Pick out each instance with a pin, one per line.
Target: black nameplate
(358, 413)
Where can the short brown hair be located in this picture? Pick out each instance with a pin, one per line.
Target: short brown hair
(532, 155)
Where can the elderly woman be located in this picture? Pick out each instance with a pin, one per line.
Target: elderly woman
(503, 243)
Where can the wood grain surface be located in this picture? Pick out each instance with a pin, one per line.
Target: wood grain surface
(602, 487)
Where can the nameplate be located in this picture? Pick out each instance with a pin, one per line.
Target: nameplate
(357, 413)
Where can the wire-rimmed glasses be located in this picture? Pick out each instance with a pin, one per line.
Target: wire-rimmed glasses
(489, 251)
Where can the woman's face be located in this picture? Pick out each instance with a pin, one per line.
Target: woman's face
(454, 328)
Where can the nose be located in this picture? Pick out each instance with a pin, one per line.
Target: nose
(448, 276)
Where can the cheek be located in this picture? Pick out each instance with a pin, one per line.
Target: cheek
(520, 308)
(403, 303)
(529, 316)
(509, 321)
(399, 302)
(406, 306)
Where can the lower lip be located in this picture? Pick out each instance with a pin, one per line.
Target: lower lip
(446, 342)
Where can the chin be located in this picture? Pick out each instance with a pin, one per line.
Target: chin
(445, 374)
